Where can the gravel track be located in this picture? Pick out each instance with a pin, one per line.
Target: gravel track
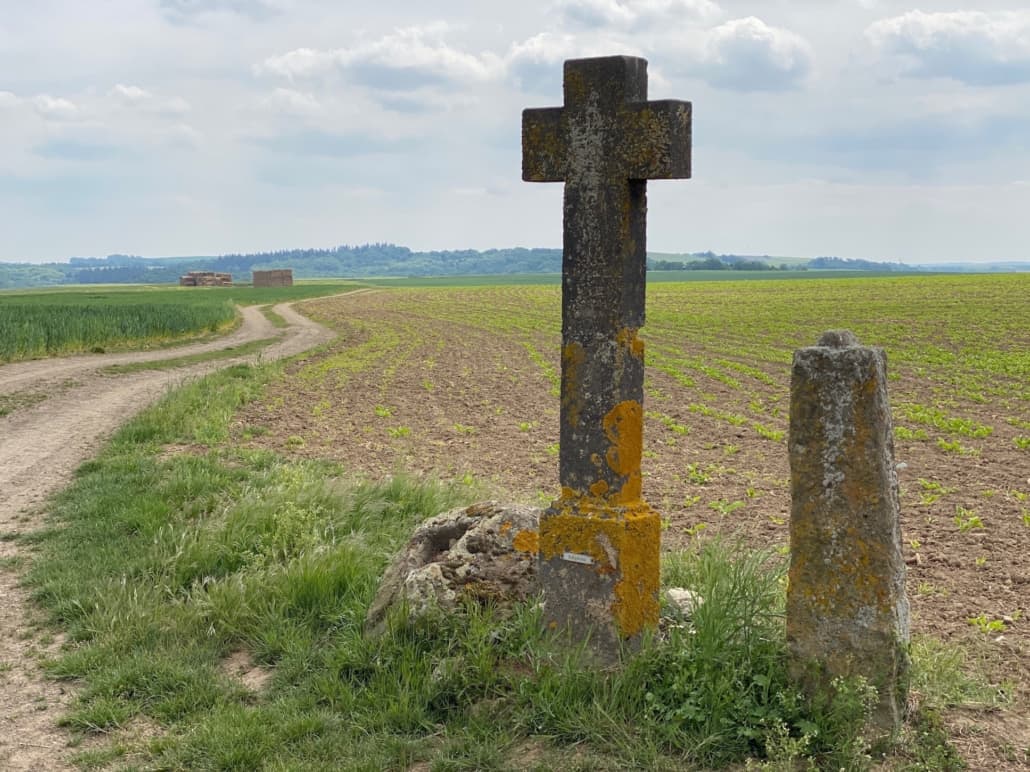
(40, 447)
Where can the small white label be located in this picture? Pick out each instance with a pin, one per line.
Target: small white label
(575, 557)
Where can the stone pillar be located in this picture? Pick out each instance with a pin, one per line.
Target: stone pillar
(847, 613)
(600, 541)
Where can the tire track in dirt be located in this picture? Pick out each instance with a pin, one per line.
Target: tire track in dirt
(40, 448)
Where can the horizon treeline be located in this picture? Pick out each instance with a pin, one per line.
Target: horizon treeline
(373, 260)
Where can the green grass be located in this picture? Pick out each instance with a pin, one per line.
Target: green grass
(192, 359)
(45, 324)
(93, 319)
(276, 320)
(159, 566)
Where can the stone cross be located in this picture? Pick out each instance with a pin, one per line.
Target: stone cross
(847, 613)
(599, 542)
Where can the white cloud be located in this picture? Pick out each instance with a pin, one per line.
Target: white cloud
(536, 63)
(129, 94)
(187, 10)
(301, 63)
(634, 14)
(173, 106)
(55, 108)
(290, 102)
(7, 99)
(408, 58)
(968, 46)
(749, 55)
(183, 136)
(137, 97)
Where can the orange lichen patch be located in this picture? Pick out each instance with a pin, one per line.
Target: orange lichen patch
(636, 605)
(599, 488)
(573, 357)
(624, 428)
(627, 546)
(527, 541)
(629, 493)
(628, 340)
(505, 526)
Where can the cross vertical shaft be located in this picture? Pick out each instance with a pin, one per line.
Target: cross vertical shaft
(600, 541)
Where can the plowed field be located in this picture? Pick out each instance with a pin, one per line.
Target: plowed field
(463, 383)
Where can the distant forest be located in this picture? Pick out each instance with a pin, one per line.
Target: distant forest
(340, 262)
(369, 260)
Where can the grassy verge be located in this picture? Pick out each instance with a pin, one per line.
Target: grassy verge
(276, 320)
(192, 359)
(161, 566)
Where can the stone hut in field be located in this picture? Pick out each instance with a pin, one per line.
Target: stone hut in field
(278, 278)
(205, 279)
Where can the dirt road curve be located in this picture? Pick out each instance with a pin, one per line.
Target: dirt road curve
(40, 447)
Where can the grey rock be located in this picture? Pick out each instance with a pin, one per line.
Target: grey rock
(682, 603)
(838, 339)
(485, 553)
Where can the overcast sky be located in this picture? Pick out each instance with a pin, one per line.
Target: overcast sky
(857, 128)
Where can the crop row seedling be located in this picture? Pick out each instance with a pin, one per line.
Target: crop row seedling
(967, 519)
(932, 416)
(710, 412)
(956, 447)
(668, 422)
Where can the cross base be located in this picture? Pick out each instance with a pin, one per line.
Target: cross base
(604, 564)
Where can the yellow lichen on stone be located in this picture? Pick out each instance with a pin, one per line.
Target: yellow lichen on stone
(623, 425)
(527, 541)
(636, 605)
(628, 340)
(627, 546)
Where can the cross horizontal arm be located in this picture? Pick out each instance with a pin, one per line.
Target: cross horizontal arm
(544, 155)
(656, 140)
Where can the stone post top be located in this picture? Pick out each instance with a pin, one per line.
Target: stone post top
(838, 339)
(612, 60)
(840, 347)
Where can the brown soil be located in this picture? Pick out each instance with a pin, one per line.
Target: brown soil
(455, 398)
(240, 667)
(73, 408)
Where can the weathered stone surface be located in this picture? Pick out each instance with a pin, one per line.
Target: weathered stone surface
(485, 552)
(683, 602)
(600, 541)
(847, 613)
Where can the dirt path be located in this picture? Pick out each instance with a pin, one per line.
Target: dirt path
(40, 447)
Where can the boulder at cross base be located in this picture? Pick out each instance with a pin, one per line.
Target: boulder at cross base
(485, 553)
